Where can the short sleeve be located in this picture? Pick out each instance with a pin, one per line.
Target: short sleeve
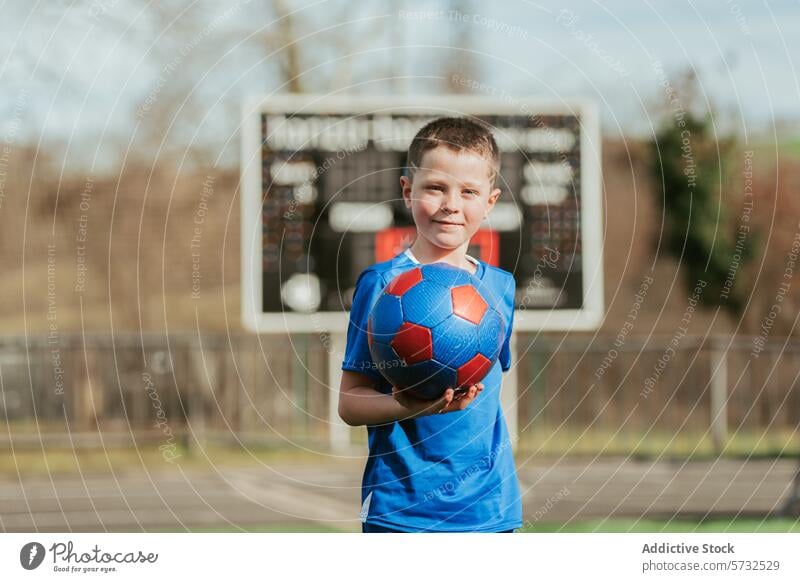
(505, 351)
(357, 357)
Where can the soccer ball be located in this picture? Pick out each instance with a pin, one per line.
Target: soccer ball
(435, 327)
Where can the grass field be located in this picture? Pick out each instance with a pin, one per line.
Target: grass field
(52, 460)
(748, 525)
(675, 526)
(654, 444)
(36, 460)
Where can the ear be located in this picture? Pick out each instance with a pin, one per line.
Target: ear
(493, 196)
(405, 184)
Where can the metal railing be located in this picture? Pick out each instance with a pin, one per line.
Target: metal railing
(573, 396)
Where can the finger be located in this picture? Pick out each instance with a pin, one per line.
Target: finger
(441, 403)
(471, 394)
(460, 400)
(462, 397)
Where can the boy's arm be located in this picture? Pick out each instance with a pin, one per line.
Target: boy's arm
(361, 403)
(505, 351)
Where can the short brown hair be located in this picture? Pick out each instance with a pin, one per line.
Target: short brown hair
(459, 134)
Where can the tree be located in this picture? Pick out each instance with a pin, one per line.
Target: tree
(693, 168)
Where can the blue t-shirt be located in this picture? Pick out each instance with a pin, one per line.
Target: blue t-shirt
(443, 472)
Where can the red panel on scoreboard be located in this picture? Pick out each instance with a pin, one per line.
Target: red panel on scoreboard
(392, 241)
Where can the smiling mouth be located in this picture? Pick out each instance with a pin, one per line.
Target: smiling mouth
(450, 223)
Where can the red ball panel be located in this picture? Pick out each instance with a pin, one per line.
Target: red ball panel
(473, 371)
(404, 282)
(468, 303)
(413, 343)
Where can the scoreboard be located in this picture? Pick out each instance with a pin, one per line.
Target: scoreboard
(321, 201)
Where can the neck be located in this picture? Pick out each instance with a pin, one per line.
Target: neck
(428, 253)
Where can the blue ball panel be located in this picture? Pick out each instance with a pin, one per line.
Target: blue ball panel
(386, 361)
(427, 304)
(455, 341)
(491, 334)
(386, 317)
(430, 379)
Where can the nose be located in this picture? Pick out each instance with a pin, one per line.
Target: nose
(451, 202)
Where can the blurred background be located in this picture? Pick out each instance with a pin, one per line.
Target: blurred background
(130, 402)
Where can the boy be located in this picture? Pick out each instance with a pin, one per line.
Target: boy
(446, 465)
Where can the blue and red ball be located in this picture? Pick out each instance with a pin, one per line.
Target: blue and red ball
(435, 327)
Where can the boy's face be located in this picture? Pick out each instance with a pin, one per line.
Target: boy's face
(449, 196)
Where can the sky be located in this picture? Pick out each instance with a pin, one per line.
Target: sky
(72, 68)
(745, 54)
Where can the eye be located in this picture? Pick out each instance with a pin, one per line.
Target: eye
(435, 187)
(471, 192)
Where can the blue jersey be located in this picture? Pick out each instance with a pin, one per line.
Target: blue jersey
(443, 472)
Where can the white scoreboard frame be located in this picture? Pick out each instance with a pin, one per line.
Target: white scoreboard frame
(531, 319)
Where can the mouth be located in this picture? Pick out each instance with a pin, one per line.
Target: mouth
(448, 223)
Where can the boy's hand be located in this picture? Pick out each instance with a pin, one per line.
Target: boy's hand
(450, 401)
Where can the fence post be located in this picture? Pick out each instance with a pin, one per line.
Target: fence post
(195, 441)
(339, 432)
(509, 393)
(90, 392)
(719, 394)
